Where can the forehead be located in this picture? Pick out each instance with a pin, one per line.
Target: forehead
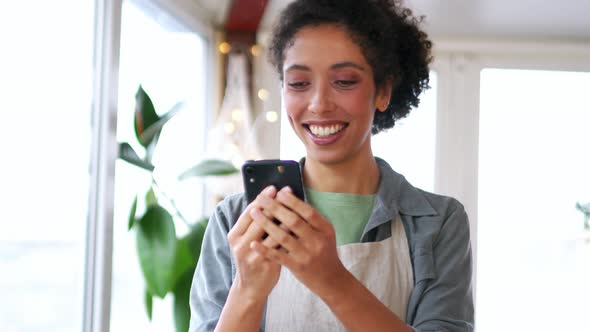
(323, 45)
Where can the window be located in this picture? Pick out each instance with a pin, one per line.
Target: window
(533, 255)
(46, 85)
(169, 62)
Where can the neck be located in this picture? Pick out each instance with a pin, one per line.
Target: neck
(357, 176)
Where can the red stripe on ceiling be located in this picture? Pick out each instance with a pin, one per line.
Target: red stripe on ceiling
(245, 15)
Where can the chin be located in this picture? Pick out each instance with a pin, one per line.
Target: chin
(327, 157)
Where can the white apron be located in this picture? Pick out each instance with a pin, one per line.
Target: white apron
(384, 267)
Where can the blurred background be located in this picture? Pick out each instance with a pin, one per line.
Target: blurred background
(504, 128)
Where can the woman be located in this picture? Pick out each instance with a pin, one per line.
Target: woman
(366, 251)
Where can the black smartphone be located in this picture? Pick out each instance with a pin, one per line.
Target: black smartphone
(260, 174)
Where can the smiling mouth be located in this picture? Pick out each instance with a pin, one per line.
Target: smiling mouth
(325, 131)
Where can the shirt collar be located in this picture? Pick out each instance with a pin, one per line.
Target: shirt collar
(396, 195)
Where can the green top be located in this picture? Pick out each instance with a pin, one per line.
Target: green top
(349, 213)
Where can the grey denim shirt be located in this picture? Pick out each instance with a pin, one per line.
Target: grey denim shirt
(437, 229)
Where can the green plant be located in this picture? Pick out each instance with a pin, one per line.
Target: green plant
(585, 209)
(167, 262)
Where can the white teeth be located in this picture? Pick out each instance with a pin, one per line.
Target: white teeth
(325, 131)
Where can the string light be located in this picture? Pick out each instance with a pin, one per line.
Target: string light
(272, 116)
(255, 50)
(263, 94)
(237, 115)
(224, 48)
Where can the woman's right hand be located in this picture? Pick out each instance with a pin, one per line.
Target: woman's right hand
(256, 275)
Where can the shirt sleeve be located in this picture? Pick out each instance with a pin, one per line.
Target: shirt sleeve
(213, 275)
(447, 302)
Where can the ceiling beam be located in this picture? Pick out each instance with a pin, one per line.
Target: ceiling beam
(244, 16)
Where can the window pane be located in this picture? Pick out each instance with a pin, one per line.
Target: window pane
(46, 97)
(168, 61)
(409, 147)
(533, 261)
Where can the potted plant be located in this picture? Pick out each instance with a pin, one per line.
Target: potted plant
(167, 262)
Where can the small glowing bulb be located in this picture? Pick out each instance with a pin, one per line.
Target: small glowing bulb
(272, 116)
(263, 94)
(230, 127)
(255, 50)
(224, 48)
(237, 115)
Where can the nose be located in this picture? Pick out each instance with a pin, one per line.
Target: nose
(321, 99)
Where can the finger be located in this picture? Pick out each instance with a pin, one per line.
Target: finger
(270, 191)
(287, 217)
(254, 231)
(254, 258)
(242, 224)
(272, 254)
(270, 242)
(280, 235)
(302, 209)
(244, 220)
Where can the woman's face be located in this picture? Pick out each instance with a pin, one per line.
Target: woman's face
(329, 94)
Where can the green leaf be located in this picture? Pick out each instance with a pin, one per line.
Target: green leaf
(182, 312)
(145, 114)
(149, 304)
(585, 208)
(210, 167)
(188, 249)
(132, 213)
(150, 198)
(127, 153)
(156, 248)
(150, 134)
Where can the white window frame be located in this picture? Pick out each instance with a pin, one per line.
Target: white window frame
(99, 235)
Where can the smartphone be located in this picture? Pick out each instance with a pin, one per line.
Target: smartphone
(260, 174)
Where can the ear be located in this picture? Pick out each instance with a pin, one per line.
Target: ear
(384, 95)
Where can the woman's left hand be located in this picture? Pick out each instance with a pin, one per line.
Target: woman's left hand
(307, 245)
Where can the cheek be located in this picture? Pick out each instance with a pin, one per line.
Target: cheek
(294, 105)
(361, 103)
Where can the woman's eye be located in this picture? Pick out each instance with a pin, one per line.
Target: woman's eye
(298, 85)
(345, 83)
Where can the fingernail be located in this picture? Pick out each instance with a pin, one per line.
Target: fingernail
(270, 190)
(287, 189)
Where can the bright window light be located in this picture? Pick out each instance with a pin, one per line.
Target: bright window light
(46, 80)
(533, 255)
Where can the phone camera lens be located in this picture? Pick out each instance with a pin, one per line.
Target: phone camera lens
(249, 170)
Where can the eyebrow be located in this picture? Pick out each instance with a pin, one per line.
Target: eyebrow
(334, 66)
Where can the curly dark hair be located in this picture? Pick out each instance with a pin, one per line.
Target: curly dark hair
(388, 35)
